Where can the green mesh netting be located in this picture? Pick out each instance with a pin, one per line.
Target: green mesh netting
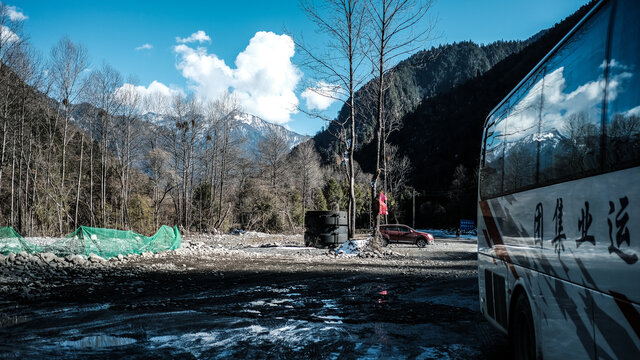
(106, 243)
(12, 242)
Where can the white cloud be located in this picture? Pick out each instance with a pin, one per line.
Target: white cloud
(146, 46)
(155, 98)
(263, 79)
(7, 36)
(15, 14)
(198, 36)
(319, 97)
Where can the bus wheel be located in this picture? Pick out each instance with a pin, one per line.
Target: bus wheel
(523, 336)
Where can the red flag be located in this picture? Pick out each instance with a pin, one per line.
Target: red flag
(383, 204)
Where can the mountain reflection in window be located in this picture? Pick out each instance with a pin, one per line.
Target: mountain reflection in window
(623, 91)
(573, 93)
(549, 129)
(492, 171)
(521, 139)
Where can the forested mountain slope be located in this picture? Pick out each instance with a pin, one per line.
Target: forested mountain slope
(421, 76)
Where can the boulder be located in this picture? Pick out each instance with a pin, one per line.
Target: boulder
(76, 259)
(96, 258)
(49, 258)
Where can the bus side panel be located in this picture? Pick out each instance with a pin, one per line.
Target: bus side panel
(562, 314)
(493, 282)
(562, 310)
(617, 323)
(582, 231)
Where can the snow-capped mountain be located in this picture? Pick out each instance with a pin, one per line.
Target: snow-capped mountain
(254, 129)
(248, 127)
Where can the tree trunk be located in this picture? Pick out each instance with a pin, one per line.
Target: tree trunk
(352, 146)
(79, 182)
(4, 147)
(375, 205)
(91, 213)
(13, 173)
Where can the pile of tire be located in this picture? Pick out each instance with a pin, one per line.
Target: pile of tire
(325, 228)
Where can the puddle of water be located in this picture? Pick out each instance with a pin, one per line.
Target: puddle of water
(330, 304)
(163, 339)
(69, 311)
(272, 303)
(445, 352)
(435, 296)
(455, 300)
(294, 335)
(251, 311)
(329, 319)
(98, 342)
(257, 325)
(197, 334)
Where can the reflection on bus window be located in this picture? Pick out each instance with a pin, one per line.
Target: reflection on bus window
(623, 93)
(492, 171)
(521, 139)
(573, 93)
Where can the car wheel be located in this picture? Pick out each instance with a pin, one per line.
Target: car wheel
(421, 242)
(523, 336)
(385, 241)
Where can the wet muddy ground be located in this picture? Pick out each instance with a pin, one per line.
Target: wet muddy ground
(208, 301)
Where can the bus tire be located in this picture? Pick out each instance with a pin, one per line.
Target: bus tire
(522, 331)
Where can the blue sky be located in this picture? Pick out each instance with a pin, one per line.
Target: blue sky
(268, 74)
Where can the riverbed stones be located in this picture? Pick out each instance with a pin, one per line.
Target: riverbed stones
(96, 259)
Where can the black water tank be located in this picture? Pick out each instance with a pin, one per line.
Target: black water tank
(325, 228)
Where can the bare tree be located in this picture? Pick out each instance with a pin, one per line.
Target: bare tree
(68, 61)
(101, 93)
(398, 169)
(271, 157)
(127, 142)
(392, 34)
(305, 164)
(157, 166)
(223, 151)
(339, 67)
(11, 56)
(187, 128)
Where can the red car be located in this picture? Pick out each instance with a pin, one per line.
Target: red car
(397, 233)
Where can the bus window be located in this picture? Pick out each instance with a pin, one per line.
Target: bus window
(521, 139)
(623, 92)
(492, 170)
(573, 93)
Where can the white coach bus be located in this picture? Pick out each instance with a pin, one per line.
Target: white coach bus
(559, 197)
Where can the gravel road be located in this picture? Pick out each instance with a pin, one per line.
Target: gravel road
(253, 296)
